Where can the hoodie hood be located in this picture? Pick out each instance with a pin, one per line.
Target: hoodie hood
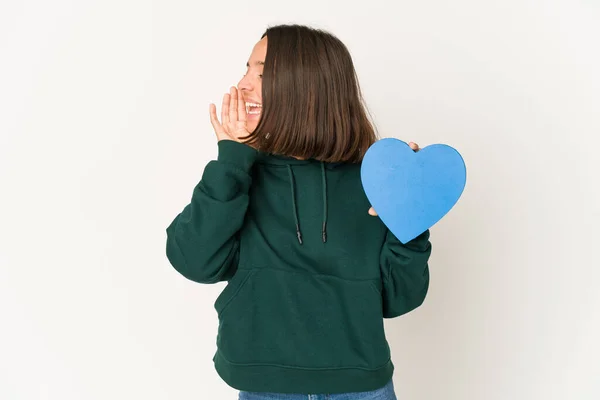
(280, 160)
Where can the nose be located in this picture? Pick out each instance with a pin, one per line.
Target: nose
(245, 84)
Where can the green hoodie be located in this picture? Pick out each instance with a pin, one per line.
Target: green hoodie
(310, 273)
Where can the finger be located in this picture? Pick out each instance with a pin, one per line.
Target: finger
(212, 110)
(241, 107)
(414, 146)
(225, 110)
(233, 105)
(372, 212)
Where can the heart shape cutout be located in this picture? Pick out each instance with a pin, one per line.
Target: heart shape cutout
(411, 191)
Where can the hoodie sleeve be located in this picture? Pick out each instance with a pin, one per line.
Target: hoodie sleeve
(202, 241)
(405, 274)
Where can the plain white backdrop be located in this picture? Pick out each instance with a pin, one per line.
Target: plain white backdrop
(104, 132)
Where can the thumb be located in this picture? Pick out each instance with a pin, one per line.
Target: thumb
(372, 212)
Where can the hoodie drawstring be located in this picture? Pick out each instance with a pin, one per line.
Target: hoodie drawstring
(295, 207)
(293, 186)
(324, 182)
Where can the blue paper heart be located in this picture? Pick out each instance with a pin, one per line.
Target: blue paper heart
(411, 191)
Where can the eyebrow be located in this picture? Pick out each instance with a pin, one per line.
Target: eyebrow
(257, 63)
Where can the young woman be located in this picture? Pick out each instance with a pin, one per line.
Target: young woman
(281, 215)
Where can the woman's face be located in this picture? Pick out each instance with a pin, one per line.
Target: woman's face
(251, 84)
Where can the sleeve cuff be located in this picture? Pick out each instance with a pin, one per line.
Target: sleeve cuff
(236, 153)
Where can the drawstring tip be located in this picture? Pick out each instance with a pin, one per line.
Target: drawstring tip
(324, 233)
(299, 236)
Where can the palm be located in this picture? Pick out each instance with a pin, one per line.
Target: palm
(233, 117)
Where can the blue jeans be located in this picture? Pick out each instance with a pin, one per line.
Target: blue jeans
(384, 393)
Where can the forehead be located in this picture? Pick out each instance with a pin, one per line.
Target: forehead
(257, 57)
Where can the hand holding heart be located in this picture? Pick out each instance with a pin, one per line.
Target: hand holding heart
(413, 146)
(412, 190)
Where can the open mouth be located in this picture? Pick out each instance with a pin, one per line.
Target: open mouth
(253, 108)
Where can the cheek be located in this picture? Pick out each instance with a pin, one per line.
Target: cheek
(258, 89)
(251, 124)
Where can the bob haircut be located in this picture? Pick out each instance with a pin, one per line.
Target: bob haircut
(312, 104)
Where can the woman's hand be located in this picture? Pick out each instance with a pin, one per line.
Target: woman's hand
(233, 117)
(413, 146)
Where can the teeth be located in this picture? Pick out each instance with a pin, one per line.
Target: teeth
(253, 105)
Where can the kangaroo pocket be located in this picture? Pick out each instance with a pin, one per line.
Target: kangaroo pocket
(292, 319)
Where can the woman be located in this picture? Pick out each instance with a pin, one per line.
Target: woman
(281, 215)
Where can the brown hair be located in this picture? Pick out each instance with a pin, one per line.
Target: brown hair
(312, 103)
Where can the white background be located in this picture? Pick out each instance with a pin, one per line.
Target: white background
(105, 131)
